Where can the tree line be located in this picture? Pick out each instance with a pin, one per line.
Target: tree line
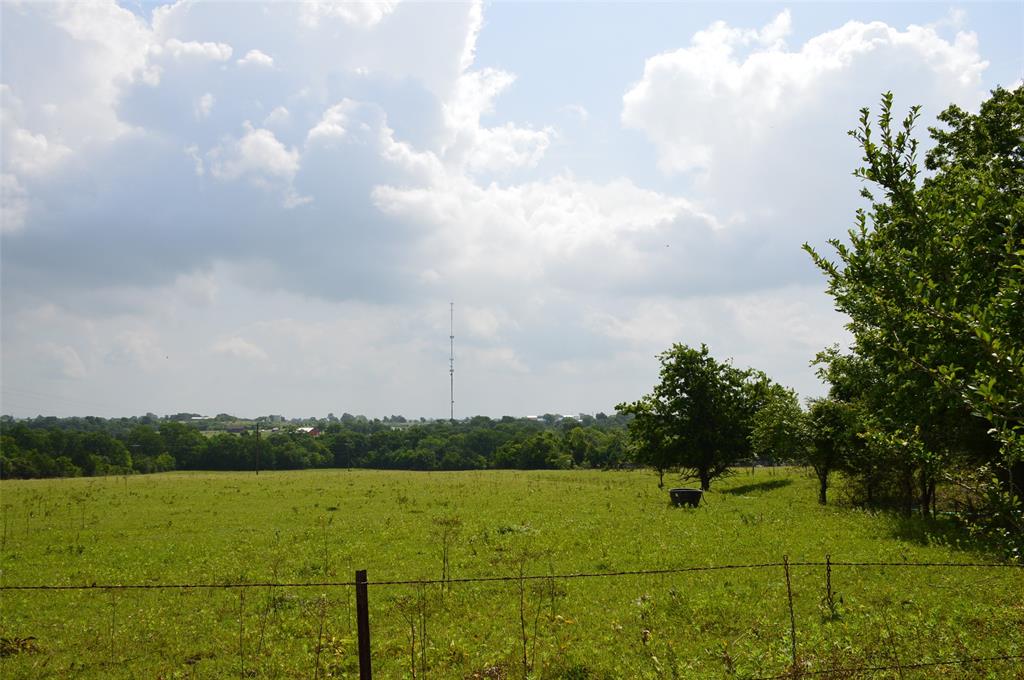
(57, 447)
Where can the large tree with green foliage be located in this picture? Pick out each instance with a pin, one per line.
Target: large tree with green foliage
(932, 279)
(832, 440)
(699, 416)
(779, 429)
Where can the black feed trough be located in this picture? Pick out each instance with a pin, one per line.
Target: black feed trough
(689, 497)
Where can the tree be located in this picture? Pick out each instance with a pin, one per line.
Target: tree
(581, 443)
(146, 447)
(699, 417)
(832, 439)
(779, 429)
(113, 452)
(651, 437)
(539, 451)
(184, 442)
(933, 278)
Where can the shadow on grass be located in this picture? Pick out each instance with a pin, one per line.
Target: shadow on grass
(942, 530)
(770, 485)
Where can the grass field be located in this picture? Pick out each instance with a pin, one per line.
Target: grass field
(315, 526)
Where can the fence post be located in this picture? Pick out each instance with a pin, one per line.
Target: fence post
(363, 626)
(241, 631)
(828, 585)
(792, 617)
(113, 621)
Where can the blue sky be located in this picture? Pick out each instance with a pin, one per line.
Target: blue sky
(256, 208)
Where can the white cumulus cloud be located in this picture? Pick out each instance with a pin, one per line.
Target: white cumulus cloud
(13, 204)
(257, 153)
(256, 58)
(203, 105)
(192, 49)
(362, 13)
(139, 348)
(33, 154)
(478, 148)
(64, 360)
(240, 348)
(279, 116)
(262, 159)
(333, 123)
(731, 86)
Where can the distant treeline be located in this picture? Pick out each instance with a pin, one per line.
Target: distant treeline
(72, 447)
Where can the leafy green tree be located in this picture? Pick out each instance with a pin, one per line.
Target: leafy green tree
(347, 447)
(779, 429)
(144, 440)
(581, 443)
(611, 449)
(539, 451)
(227, 452)
(651, 440)
(146, 445)
(699, 416)
(832, 434)
(111, 453)
(184, 442)
(11, 457)
(163, 463)
(64, 467)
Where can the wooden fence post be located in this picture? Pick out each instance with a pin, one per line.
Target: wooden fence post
(363, 626)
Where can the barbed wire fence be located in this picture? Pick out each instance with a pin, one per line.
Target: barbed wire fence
(361, 586)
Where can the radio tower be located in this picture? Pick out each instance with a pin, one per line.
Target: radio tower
(451, 359)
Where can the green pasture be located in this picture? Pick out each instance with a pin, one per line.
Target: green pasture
(322, 525)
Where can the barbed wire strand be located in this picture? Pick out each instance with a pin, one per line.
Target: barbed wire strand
(491, 579)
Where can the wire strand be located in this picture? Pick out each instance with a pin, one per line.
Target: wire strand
(491, 579)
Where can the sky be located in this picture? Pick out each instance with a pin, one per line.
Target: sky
(256, 208)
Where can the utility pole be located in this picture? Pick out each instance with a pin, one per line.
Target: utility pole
(451, 359)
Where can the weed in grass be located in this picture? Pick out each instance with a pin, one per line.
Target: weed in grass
(413, 611)
(18, 645)
(447, 530)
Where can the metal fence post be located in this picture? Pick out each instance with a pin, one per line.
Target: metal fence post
(792, 617)
(363, 626)
(828, 585)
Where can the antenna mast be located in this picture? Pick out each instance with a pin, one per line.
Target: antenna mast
(451, 358)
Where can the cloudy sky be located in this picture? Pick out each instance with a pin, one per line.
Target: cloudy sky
(267, 208)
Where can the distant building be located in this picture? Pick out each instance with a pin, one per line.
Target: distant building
(552, 418)
(311, 431)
